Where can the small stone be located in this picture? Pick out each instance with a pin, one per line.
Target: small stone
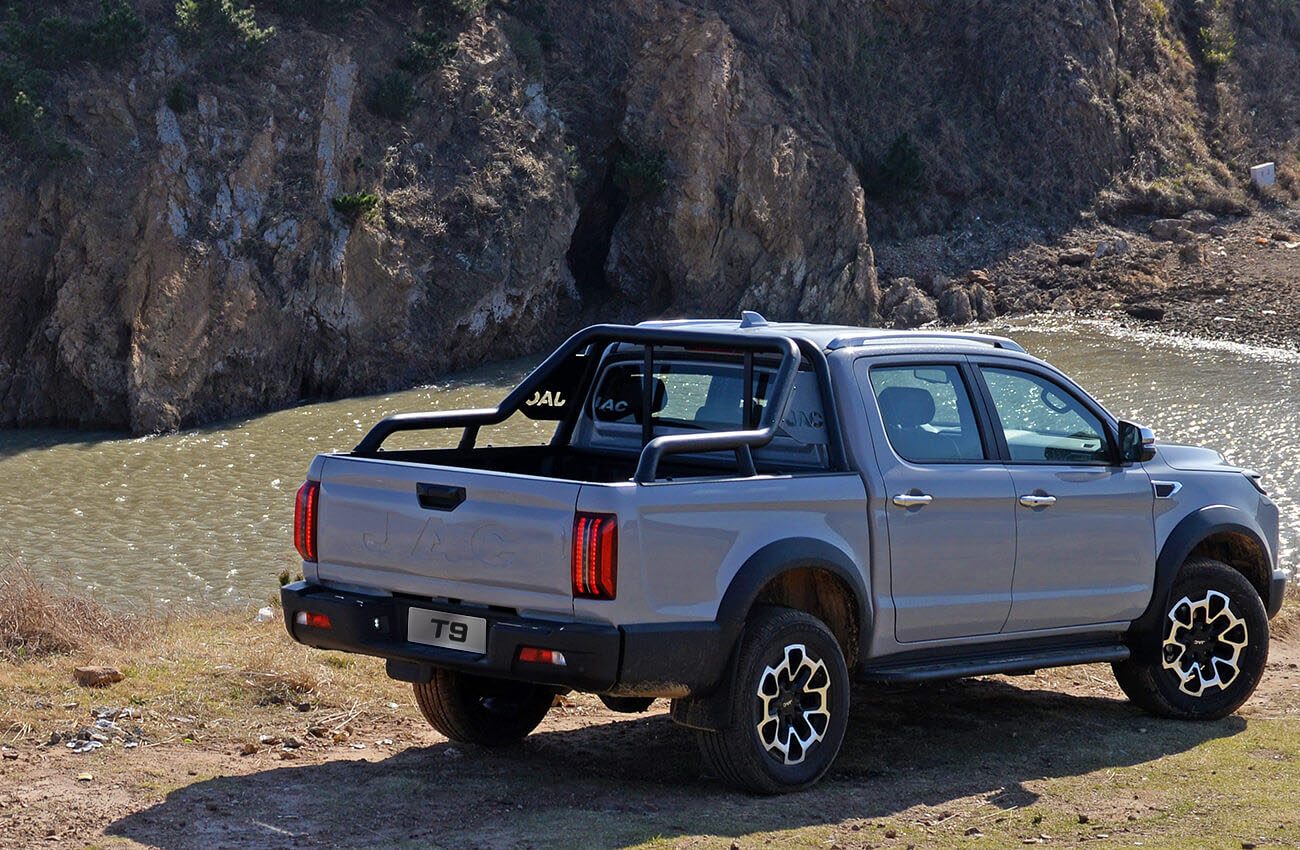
(1218, 231)
(248, 749)
(1247, 845)
(8, 752)
(291, 743)
(890, 833)
(1074, 257)
(287, 755)
(317, 731)
(268, 740)
(974, 830)
(96, 677)
(1285, 236)
(1192, 254)
(1083, 818)
(735, 845)
(264, 615)
(979, 276)
(85, 777)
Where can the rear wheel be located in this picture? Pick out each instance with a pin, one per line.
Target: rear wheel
(478, 710)
(1213, 647)
(788, 708)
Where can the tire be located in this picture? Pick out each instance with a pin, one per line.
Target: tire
(773, 744)
(1215, 622)
(627, 705)
(477, 710)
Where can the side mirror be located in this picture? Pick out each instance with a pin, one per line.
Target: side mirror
(1137, 444)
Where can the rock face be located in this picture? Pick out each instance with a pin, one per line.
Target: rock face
(571, 161)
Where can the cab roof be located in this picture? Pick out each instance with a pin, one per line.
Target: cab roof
(837, 337)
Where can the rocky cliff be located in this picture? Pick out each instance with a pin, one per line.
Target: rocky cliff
(208, 209)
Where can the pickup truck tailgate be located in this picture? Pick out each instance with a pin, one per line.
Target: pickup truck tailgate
(446, 532)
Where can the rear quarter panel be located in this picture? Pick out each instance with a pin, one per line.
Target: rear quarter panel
(682, 543)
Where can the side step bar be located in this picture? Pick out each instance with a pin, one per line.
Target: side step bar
(1023, 661)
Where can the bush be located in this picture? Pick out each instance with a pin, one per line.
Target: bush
(391, 96)
(900, 172)
(54, 41)
(181, 99)
(640, 174)
(1217, 45)
(202, 22)
(426, 50)
(356, 205)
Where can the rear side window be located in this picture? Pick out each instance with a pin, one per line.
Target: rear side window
(693, 395)
(927, 413)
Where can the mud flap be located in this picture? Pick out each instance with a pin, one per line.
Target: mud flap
(710, 711)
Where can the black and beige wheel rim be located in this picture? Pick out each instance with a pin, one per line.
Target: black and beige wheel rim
(794, 705)
(1204, 643)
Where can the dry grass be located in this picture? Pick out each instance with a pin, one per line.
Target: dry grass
(37, 620)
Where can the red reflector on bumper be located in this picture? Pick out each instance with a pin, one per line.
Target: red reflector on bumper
(535, 655)
(311, 618)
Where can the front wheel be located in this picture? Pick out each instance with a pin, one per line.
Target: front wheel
(789, 705)
(1213, 647)
(478, 710)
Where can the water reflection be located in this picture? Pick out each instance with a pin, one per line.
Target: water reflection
(204, 515)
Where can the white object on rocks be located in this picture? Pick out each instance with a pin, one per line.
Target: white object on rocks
(1264, 174)
(264, 615)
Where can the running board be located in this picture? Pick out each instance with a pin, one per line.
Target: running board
(983, 665)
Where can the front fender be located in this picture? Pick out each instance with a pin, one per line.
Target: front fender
(1189, 532)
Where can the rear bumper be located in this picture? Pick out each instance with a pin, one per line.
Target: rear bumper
(661, 659)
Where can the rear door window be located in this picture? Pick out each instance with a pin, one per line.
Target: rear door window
(927, 413)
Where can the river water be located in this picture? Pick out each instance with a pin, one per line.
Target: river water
(204, 516)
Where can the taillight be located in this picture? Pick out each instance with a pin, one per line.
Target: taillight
(304, 520)
(595, 555)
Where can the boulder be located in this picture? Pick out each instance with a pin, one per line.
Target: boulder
(955, 306)
(914, 310)
(1170, 230)
(1074, 257)
(1146, 312)
(1200, 221)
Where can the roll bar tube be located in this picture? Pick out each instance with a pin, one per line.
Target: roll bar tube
(741, 442)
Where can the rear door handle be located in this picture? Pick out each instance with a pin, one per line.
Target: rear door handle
(1033, 501)
(440, 497)
(913, 500)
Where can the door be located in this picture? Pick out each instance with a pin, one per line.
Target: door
(1084, 524)
(950, 503)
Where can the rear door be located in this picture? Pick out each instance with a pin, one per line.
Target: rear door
(440, 532)
(1084, 523)
(950, 502)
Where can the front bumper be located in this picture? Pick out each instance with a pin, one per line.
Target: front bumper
(661, 659)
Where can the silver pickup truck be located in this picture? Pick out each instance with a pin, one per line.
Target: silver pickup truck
(744, 516)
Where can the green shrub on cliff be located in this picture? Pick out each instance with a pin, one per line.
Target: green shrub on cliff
(203, 22)
(640, 174)
(427, 50)
(356, 205)
(897, 174)
(391, 96)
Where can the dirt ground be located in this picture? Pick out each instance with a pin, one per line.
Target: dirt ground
(1055, 758)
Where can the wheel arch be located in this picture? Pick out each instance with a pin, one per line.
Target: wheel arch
(770, 575)
(808, 574)
(1218, 531)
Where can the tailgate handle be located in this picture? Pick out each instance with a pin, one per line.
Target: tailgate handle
(440, 497)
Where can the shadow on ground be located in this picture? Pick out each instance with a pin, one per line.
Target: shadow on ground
(624, 782)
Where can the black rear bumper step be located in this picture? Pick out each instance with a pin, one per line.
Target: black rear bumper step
(1008, 662)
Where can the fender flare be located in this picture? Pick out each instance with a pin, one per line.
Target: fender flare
(1187, 534)
(709, 710)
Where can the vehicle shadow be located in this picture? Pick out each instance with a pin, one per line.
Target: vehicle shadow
(622, 783)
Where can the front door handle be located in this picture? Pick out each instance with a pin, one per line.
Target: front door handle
(912, 500)
(1033, 501)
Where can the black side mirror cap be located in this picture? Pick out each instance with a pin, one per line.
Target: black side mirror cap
(1137, 443)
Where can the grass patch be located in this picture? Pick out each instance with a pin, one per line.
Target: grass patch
(427, 50)
(37, 621)
(1217, 44)
(526, 45)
